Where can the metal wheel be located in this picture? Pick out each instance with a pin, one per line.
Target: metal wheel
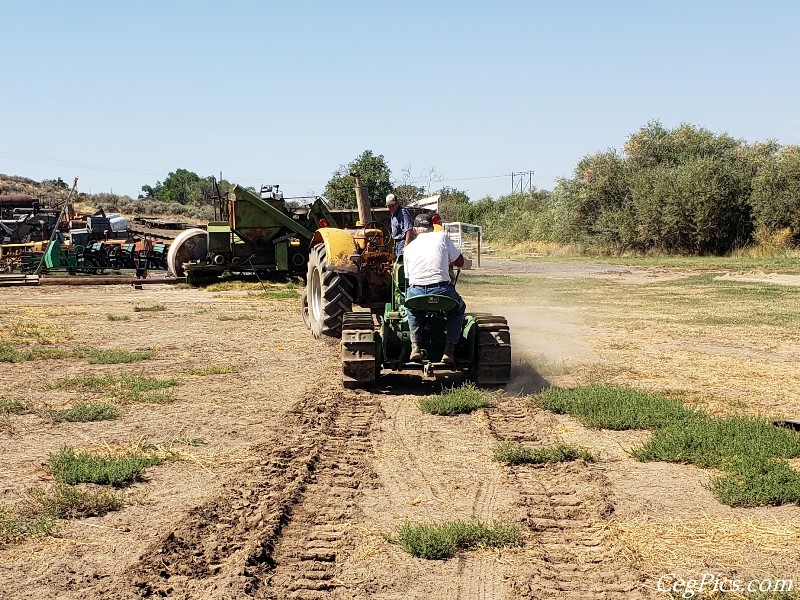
(189, 246)
(329, 295)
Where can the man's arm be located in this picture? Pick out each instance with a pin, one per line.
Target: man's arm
(452, 251)
(407, 225)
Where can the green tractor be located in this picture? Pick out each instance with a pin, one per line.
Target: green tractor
(483, 353)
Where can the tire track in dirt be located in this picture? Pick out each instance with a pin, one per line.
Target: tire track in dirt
(436, 469)
(226, 548)
(305, 557)
(479, 576)
(564, 505)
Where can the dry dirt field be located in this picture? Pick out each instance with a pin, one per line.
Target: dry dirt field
(287, 486)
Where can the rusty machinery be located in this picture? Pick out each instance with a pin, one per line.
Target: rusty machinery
(260, 235)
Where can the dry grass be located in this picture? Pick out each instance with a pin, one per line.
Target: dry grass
(215, 369)
(677, 544)
(32, 331)
(726, 346)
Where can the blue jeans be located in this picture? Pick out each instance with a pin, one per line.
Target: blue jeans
(455, 318)
(398, 246)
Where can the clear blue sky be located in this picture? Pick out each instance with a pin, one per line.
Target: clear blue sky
(121, 93)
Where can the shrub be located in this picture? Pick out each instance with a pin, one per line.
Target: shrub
(603, 407)
(708, 442)
(514, 453)
(115, 357)
(437, 542)
(87, 411)
(15, 528)
(72, 467)
(456, 401)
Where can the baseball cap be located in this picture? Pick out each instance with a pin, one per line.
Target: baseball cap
(390, 199)
(423, 220)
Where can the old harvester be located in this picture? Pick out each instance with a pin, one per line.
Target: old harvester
(258, 235)
(357, 267)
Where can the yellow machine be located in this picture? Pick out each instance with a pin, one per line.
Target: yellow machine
(347, 267)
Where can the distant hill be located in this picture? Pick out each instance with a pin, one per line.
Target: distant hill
(52, 192)
(11, 184)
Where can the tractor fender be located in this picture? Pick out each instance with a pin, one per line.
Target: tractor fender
(340, 245)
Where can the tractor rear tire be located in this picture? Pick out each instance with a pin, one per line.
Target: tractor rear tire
(329, 295)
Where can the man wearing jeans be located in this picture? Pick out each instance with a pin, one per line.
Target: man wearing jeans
(427, 263)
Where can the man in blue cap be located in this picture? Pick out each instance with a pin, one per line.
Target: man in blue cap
(402, 225)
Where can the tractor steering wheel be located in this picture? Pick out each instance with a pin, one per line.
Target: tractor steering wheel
(372, 238)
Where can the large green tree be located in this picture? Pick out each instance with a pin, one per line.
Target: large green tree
(185, 187)
(182, 186)
(685, 189)
(375, 175)
(776, 192)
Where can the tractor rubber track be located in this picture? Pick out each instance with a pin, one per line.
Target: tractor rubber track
(279, 520)
(565, 506)
(358, 350)
(493, 364)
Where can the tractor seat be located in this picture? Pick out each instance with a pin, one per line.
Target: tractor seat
(431, 303)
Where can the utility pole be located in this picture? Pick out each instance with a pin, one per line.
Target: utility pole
(522, 182)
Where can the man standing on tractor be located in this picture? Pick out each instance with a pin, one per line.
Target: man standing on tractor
(427, 266)
(402, 229)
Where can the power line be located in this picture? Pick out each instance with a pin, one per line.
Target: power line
(135, 171)
(82, 165)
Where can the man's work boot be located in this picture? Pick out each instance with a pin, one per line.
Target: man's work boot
(449, 354)
(416, 355)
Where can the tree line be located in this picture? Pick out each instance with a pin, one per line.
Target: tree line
(685, 190)
(682, 190)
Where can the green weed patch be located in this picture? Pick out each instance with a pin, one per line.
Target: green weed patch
(618, 408)
(237, 317)
(70, 467)
(14, 407)
(456, 401)
(277, 294)
(127, 388)
(514, 453)
(151, 308)
(87, 411)
(10, 353)
(748, 449)
(757, 481)
(436, 542)
(15, 528)
(118, 317)
(116, 357)
(708, 442)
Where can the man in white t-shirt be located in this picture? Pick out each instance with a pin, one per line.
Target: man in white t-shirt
(427, 262)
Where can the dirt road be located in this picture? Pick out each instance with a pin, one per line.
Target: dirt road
(289, 486)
